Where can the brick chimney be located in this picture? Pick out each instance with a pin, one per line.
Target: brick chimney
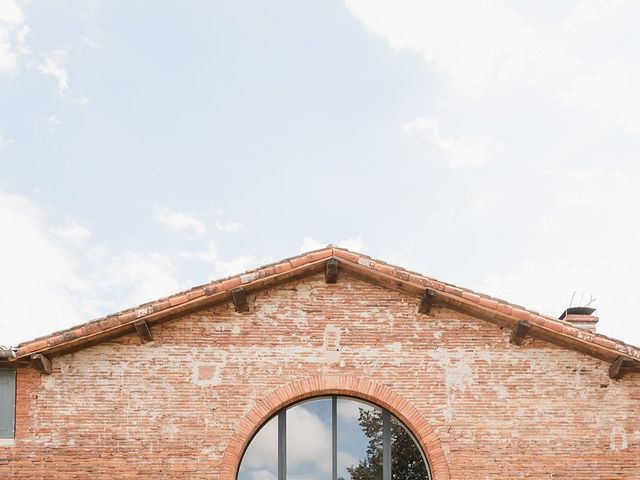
(581, 317)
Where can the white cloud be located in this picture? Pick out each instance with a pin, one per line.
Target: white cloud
(52, 122)
(309, 441)
(10, 12)
(91, 42)
(586, 173)
(13, 33)
(346, 460)
(472, 41)
(263, 449)
(587, 11)
(583, 186)
(350, 410)
(71, 232)
(575, 198)
(209, 254)
(221, 267)
(461, 152)
(235, 266)
(185, 223)
(45, 286)
(125, 279)
(309, 244)
(82, 101)
(613, 91)
(262, 475)
(355, 244)
(38, 277)
(486, 199)
(22, 34)
(4, 141)
(229, 227)
(54, 66)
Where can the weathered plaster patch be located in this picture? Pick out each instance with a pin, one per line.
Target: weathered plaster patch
(485, 355)
(208, 373)
(458, 374)
(457, 366)
(332, 357)
(48, 382)
(331, 343)
(395, 347)
(170, 431)
(304, 290)
(300, 320)
(619, 439)
(501, 391)
(331, 337)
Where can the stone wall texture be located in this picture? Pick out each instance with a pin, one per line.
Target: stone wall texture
(185, 405)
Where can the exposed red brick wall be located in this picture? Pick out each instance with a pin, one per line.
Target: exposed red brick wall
(184, 405)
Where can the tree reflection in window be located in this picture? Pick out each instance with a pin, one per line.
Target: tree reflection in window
(333, 438)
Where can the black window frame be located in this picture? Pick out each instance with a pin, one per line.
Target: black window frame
(387, 418)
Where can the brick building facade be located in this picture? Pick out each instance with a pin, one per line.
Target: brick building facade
(178, 387)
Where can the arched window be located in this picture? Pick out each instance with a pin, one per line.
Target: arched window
(333, 438)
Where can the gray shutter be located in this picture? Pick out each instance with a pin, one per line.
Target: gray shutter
(7, 403)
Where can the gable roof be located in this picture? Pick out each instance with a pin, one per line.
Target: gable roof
(488, 308)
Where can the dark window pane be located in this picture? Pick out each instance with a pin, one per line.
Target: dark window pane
(260, 461)
(309, 440)
(359, 440)
(7, 403)
(407, 462)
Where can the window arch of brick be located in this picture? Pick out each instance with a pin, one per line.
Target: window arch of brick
(334, 385)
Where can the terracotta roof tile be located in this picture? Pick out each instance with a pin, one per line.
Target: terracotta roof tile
(521, 314)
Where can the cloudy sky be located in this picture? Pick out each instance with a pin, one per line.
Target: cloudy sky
(146, 148)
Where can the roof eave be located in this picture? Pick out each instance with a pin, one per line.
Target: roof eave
(490, 309)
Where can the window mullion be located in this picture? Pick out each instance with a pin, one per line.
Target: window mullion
(386, 445)
(334, 437)
(282, 445)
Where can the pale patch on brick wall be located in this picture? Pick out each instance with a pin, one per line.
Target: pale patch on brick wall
(304, 290)
(618, 439)
(458, 367)
(458, 374)
(300, 320)
(394, 347)
(208, 373)
(170, 431)
(331, 343)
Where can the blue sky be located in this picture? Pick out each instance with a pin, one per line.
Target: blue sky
(149, 147)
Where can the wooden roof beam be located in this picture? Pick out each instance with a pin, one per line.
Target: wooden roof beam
(143, 330)
(240, 300)
(331, 272)
(427, 301)
(620, 365)
(41, 363)
(520, 332)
